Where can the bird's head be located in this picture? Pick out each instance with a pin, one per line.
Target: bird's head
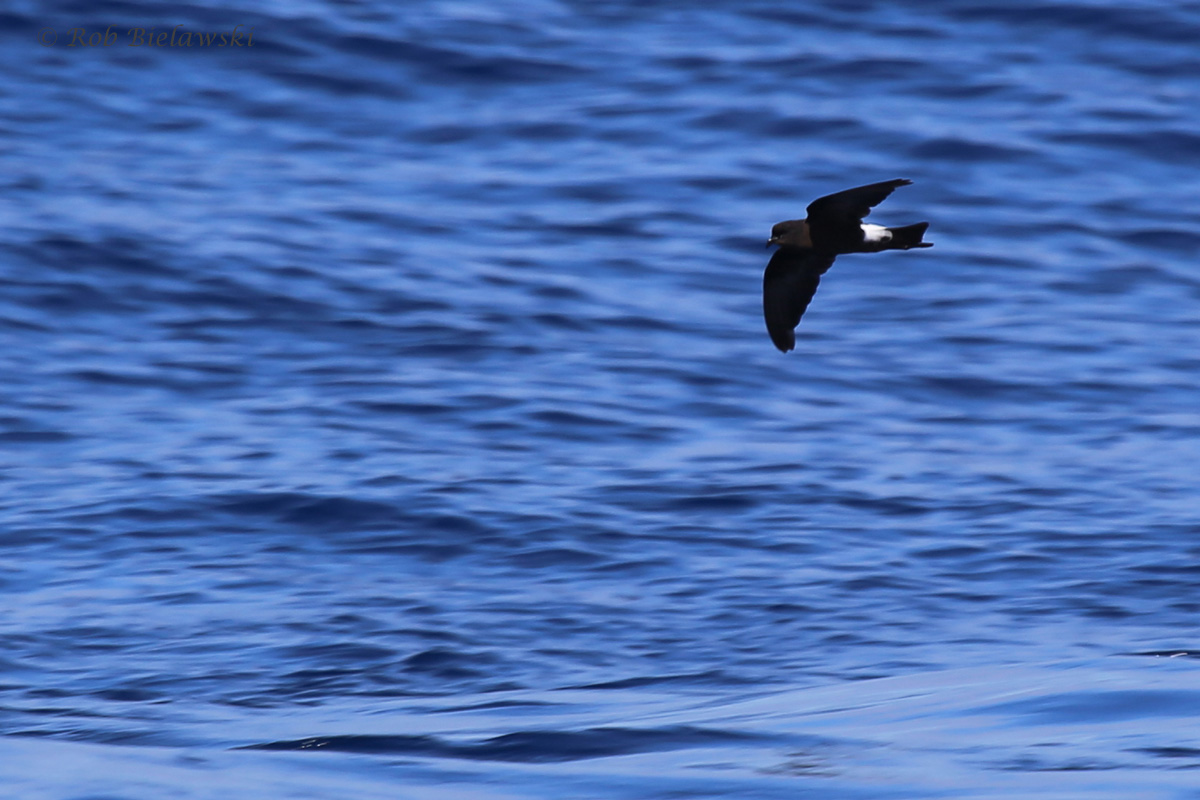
(792, 233)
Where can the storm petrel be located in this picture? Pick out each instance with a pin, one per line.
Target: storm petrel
(807, 248)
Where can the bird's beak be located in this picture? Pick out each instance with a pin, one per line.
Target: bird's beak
(772, 240)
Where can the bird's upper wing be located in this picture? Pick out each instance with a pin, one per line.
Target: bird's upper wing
(788, 285)
(852, 203)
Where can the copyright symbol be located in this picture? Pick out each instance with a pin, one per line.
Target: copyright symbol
(47, 37)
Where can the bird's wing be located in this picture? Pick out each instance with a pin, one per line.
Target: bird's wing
(788, 285)
(852, 205)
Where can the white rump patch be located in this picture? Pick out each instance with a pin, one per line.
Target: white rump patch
(876, 233)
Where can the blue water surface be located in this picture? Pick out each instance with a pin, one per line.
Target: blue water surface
(387, 409)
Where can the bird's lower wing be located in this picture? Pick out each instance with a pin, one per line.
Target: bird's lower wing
(789, 284)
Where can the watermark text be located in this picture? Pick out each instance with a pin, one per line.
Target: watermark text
(112, 36)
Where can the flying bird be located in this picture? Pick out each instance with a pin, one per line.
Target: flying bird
(807, 248)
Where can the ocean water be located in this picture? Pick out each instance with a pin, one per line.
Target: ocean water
(387, 410)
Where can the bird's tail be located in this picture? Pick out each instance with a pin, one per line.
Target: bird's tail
(908, 237)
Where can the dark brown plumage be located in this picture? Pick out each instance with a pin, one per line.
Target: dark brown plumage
(807, 247)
